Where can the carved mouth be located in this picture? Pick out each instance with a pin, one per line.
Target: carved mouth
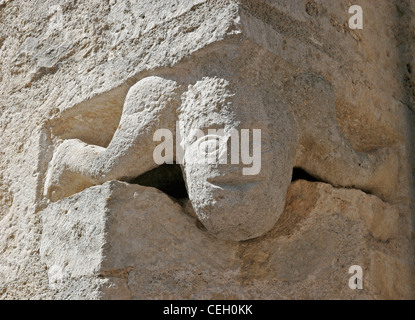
(234, 185)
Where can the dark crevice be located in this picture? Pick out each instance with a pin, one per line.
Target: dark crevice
(300, 174)
(167, 178)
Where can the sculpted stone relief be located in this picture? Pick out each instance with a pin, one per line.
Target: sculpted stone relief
(298, 129)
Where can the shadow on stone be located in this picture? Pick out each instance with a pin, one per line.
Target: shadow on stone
(167, 178)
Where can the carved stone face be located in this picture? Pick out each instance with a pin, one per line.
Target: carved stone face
(231, 204)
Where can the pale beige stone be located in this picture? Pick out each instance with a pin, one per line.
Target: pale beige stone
(387, 276)
(66, 72)
(298, 129)
(142, 245)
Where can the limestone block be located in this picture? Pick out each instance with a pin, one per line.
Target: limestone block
(387, 275)
(297, 129)
(67, 68)
(134, 242)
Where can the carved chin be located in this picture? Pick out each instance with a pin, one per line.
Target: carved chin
(238, 220)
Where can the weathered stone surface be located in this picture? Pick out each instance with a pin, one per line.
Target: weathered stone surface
(388, 282)
(137, 243)
(298, 129)
(342, 99)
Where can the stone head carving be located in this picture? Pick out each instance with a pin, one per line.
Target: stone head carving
(228, 91)
(230, 203)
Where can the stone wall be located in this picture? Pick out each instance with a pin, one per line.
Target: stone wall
(66, 68)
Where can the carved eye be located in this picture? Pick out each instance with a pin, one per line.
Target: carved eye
(210, 145)
(207, 149)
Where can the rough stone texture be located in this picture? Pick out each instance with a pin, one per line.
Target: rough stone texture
(329, 231)
(65, 70)
(301, 132)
